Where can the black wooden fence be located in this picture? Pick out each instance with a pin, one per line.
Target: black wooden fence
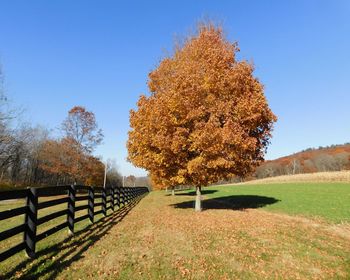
(111, 198)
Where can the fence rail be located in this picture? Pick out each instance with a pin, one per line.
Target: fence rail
(111, 197)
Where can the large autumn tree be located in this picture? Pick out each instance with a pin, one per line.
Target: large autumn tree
(206, 119)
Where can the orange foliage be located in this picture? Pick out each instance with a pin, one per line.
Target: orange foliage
(94, 171)
(65, 158)
(207, 118)
(333, 158)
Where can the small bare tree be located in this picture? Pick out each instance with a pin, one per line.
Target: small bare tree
(81, 126)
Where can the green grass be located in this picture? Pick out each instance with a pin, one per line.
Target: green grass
(330, 201)
(46, 243)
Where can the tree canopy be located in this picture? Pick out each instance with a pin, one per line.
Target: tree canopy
(81, 126)
(207, 117)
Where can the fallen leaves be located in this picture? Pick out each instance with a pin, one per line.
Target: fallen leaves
(162, 242)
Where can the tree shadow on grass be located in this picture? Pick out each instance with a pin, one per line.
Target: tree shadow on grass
(193, 193)
(234, 202)
(52, 260)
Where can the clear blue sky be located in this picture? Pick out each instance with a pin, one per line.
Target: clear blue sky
(57, 54)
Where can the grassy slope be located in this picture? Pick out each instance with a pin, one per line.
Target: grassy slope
(317, 177)
(327, 200)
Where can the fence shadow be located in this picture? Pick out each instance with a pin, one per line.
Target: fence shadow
(52, 260)
(234, 202)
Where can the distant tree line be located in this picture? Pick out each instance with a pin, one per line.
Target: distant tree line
(31, 156)
(132, 181)
(330, 158)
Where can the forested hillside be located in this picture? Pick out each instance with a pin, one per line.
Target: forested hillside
(331, 158)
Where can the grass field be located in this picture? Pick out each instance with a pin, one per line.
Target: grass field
(317, 177)
(330, 201)
(270, 231)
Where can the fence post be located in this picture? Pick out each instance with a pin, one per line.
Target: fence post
(71, 208)
(91, 204)
(118, 197)
(112, 198)
(31, 221)
(104, 202)
(122, 195)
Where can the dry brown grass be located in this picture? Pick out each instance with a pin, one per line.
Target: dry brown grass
(334, 176)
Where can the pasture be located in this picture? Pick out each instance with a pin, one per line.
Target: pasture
(324, 200)
(283, 231)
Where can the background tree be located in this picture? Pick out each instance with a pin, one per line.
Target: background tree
(206, 119)
(64, 159)
(113, 176)
(30, 156)
(81, 126)
(130, 181)
(94, 171)
(66, 162)
(143, 181)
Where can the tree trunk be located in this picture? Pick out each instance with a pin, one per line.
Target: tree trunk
(173, 191)
(198, 204)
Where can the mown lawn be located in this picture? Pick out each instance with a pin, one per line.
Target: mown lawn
(330, 201)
